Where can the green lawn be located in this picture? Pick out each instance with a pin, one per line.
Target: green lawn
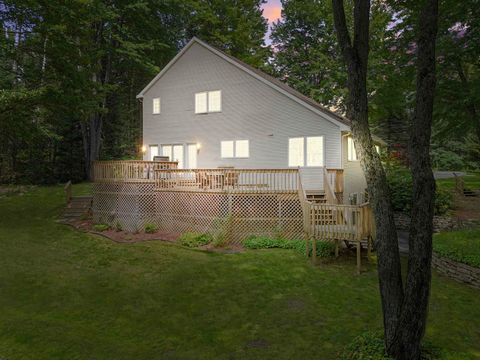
(463, 246)
(69, 295)
(472, 181)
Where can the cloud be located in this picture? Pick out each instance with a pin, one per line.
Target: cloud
(272, 10)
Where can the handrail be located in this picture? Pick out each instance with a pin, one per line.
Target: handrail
(68, 191)
(329, 194)
(227, 180)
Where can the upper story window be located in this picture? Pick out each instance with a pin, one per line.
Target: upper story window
(305, 151)
(208, 101)
(156, 106)
(235, 149)
(351, 152)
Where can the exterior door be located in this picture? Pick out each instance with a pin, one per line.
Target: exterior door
(192, 156)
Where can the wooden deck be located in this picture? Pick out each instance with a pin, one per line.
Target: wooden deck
(239, 201)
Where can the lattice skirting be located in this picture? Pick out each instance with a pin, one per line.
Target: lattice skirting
(234, 216)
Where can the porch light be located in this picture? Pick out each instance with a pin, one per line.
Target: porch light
(199, 146)
(144, 149)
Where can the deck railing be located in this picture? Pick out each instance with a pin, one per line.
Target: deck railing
(228, 180)
(129, 170)
(334, 221)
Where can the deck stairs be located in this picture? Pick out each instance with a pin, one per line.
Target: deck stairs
(78, 208)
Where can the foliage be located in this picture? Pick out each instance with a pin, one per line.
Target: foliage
(69, 73)
(462, 246)
(400, 183)
(151, 228)
(325, 249)
(193, 239)
(247, 302)
(370, 346)
(101, 227)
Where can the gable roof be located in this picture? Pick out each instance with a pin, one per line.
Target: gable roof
(260, 75)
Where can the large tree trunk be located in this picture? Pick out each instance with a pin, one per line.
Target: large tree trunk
(356, 58)
(417, 286)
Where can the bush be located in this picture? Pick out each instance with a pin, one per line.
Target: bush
(193, 239)
(401, 186)
(366, 346)
(101, 227)
(325, 249)
(151, 228)
(370, 346)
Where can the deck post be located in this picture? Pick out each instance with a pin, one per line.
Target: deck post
(314, 250)
(307, 246)
(359, 259)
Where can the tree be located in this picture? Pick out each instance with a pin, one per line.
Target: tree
(404, 310)
(355, 55)
(306, 56)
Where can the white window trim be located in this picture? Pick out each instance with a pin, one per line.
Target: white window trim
(235, 149)
(207, 107)
(305, 155)
(159, 106)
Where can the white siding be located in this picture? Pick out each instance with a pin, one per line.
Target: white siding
(250, 110)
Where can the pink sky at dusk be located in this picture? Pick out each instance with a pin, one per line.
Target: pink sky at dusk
(271, 11)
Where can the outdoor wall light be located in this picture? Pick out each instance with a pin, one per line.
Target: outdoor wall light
(144, 149)
(199, 146)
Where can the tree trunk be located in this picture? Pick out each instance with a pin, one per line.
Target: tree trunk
(417, 287)
(91, 133)
(356, 57)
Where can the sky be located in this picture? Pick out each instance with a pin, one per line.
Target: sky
(271, 11)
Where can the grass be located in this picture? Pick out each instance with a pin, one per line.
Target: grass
(472, 181)
(70, 295)
(462, 246)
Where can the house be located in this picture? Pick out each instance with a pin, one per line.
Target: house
(246, 155)
(207, 109)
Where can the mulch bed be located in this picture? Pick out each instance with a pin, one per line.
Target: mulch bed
(122, 236)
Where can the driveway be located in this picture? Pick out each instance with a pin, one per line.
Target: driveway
(447, 174)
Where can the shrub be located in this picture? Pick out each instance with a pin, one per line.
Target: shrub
(366, 346)
(193, 239)
(325, 249)
(118, 226)
(101, 227)
(400, 183)
(151, 228)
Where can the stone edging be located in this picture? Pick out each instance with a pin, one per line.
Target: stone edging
(457, 271)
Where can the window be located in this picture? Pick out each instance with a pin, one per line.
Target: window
(305, 151)
(214, 101)
(227, 149)
(241, 149)
(315, 151)
(235, 149)
(201, 103)
(295, 152)
(156, 106)
(174, 153)
(351, 152)
(153, 151)
(208, 101)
